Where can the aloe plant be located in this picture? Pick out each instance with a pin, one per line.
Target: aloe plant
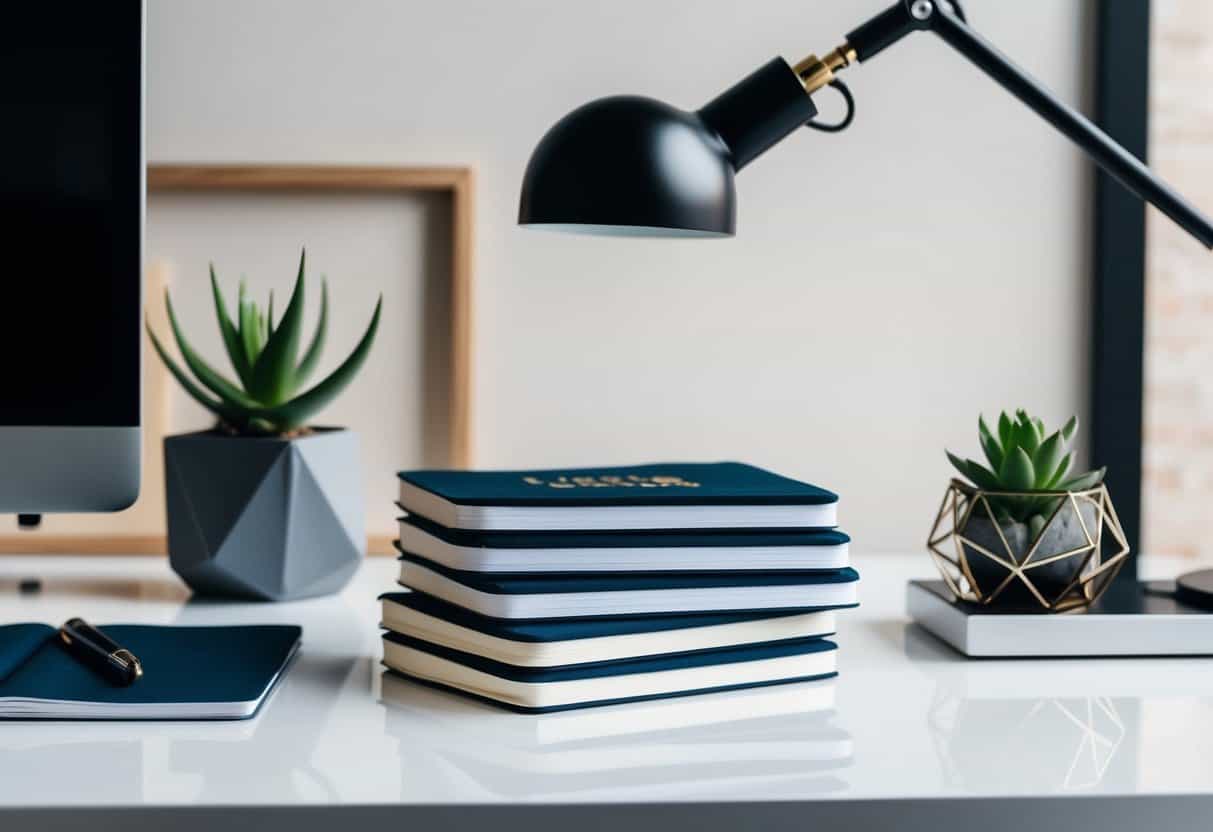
(1024, 457)
(265, 398)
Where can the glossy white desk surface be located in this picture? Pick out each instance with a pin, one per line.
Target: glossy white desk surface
(911, 719)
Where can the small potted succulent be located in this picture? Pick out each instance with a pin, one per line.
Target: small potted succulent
(264, 505)
(1024, 531)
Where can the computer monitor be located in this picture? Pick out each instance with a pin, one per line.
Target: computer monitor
(71, 229)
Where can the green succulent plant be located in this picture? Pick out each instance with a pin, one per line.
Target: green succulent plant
(1024, 457)
(264, 354)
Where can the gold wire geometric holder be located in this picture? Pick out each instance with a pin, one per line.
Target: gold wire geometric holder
(1034, 572)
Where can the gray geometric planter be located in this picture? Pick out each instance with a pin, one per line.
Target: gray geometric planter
(264, 517)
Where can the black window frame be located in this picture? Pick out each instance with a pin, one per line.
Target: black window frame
(1122, 81)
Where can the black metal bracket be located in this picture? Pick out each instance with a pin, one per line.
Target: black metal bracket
(890, 26)
(945, 20)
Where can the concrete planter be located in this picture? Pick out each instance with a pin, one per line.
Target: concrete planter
(264, 517)
(1064, 534)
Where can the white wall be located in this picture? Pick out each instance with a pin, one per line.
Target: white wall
(886, 284)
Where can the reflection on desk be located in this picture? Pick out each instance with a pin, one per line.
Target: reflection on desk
(278, 754)
(1060, 745)
(753, 738)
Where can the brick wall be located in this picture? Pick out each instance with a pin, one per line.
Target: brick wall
(1177, 489)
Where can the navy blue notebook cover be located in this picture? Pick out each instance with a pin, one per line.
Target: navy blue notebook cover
(627, 539)
(528, 675)
(672, 484)
(627, 582)
(537, 632)
(189, 673)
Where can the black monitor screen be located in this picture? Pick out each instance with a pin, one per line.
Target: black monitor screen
(70, 213)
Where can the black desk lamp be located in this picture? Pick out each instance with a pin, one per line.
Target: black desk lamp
(634, 166)
(628, 165)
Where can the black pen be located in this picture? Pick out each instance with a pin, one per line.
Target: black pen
(97, 651)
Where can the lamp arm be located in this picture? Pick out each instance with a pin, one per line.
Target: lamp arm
(941, 17)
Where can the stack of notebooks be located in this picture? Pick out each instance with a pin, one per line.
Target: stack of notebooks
(550, 590)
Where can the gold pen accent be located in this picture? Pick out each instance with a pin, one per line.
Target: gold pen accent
(97, 651)
(130, 660)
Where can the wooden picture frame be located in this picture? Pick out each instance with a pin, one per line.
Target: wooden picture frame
(457, 182)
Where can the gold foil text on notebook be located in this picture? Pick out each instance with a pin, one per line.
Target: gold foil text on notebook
(612, 481)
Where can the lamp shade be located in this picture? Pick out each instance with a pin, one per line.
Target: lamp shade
(628, 165)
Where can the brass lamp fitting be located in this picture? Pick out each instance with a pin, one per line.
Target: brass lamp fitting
(816, 72)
